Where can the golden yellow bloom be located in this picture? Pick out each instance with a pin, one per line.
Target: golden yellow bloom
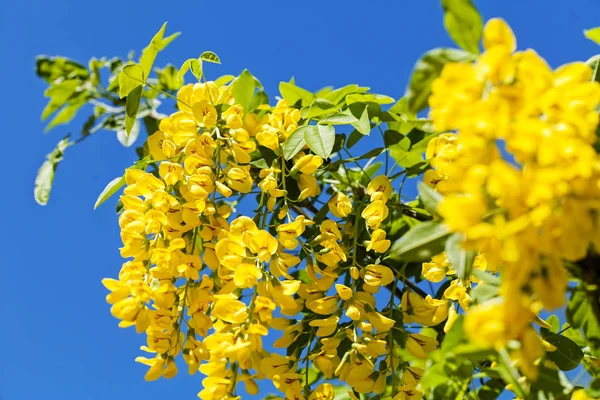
(307, 164)
(323, 392)
(420, 345)
(340, 205)
(229, 309)
(378, 241)
(436, 270)
(378, 275)
(427, 312)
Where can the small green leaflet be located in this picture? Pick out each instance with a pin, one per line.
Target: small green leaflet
(243, 89)
(320, 139)
(293, 93)
(429, 197)
(594, 63)
(150, 52)
(593, 34)
(209, 56)
(368, 98)
(45, 175)
(460, 259)
(420, 243)
(463, 23)
(110, 189)
(338, 119)
(131, 107)
(193, 64)
(363, 125)
(295, 142)
(130, 77)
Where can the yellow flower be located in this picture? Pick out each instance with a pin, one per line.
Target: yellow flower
(419, 345)
(230, 253)
(238, 178)
(290, 231)
(436, 270)
(156, 365)
(246, 276)
(427, 312)
(458, 292)
(380, 184)
(309, 186)
(323, 392)
(378, 275)
(229, 309)
(205, 114)
(161, 146)
(170, 172)
(380, 322)
(497, 33)
(340, 205)
(324, 306)
(263, 245)
(375, 213)
(343, 291)
(378, 241)
(307, 164)
(326, 326)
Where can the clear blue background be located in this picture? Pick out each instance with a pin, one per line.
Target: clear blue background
(58, 338)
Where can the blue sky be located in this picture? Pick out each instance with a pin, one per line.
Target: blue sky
(60, 341)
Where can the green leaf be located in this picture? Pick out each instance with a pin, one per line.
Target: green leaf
(581, 315)
(337, 96)
(317, 108)
(59, 94)
(293, 93)
(66, 114)
(463, 23)
(52, 68)
(295, 142)
(166, 41)
(167, 78)
(434, 376)
(567, 355)
(243, 89)
(354, 137)
(460, 259)
(259, 98)
(149, 53)
(429, 197)
(594, 64)
(127, 139)
(420, 243)
(426, 70)
(110, 189)
(368, 98)
(364, 124)
(338, 119)
(45, 175)
(131, 107)
(130, 77)
(404, 155)
(593, 34)
(572, 333)
(193, 64)
(224, 80)
(554, 322)
(320, 139)
(209, 56)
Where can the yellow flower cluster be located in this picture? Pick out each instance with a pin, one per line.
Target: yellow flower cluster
(520, 179)
(208, 285)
